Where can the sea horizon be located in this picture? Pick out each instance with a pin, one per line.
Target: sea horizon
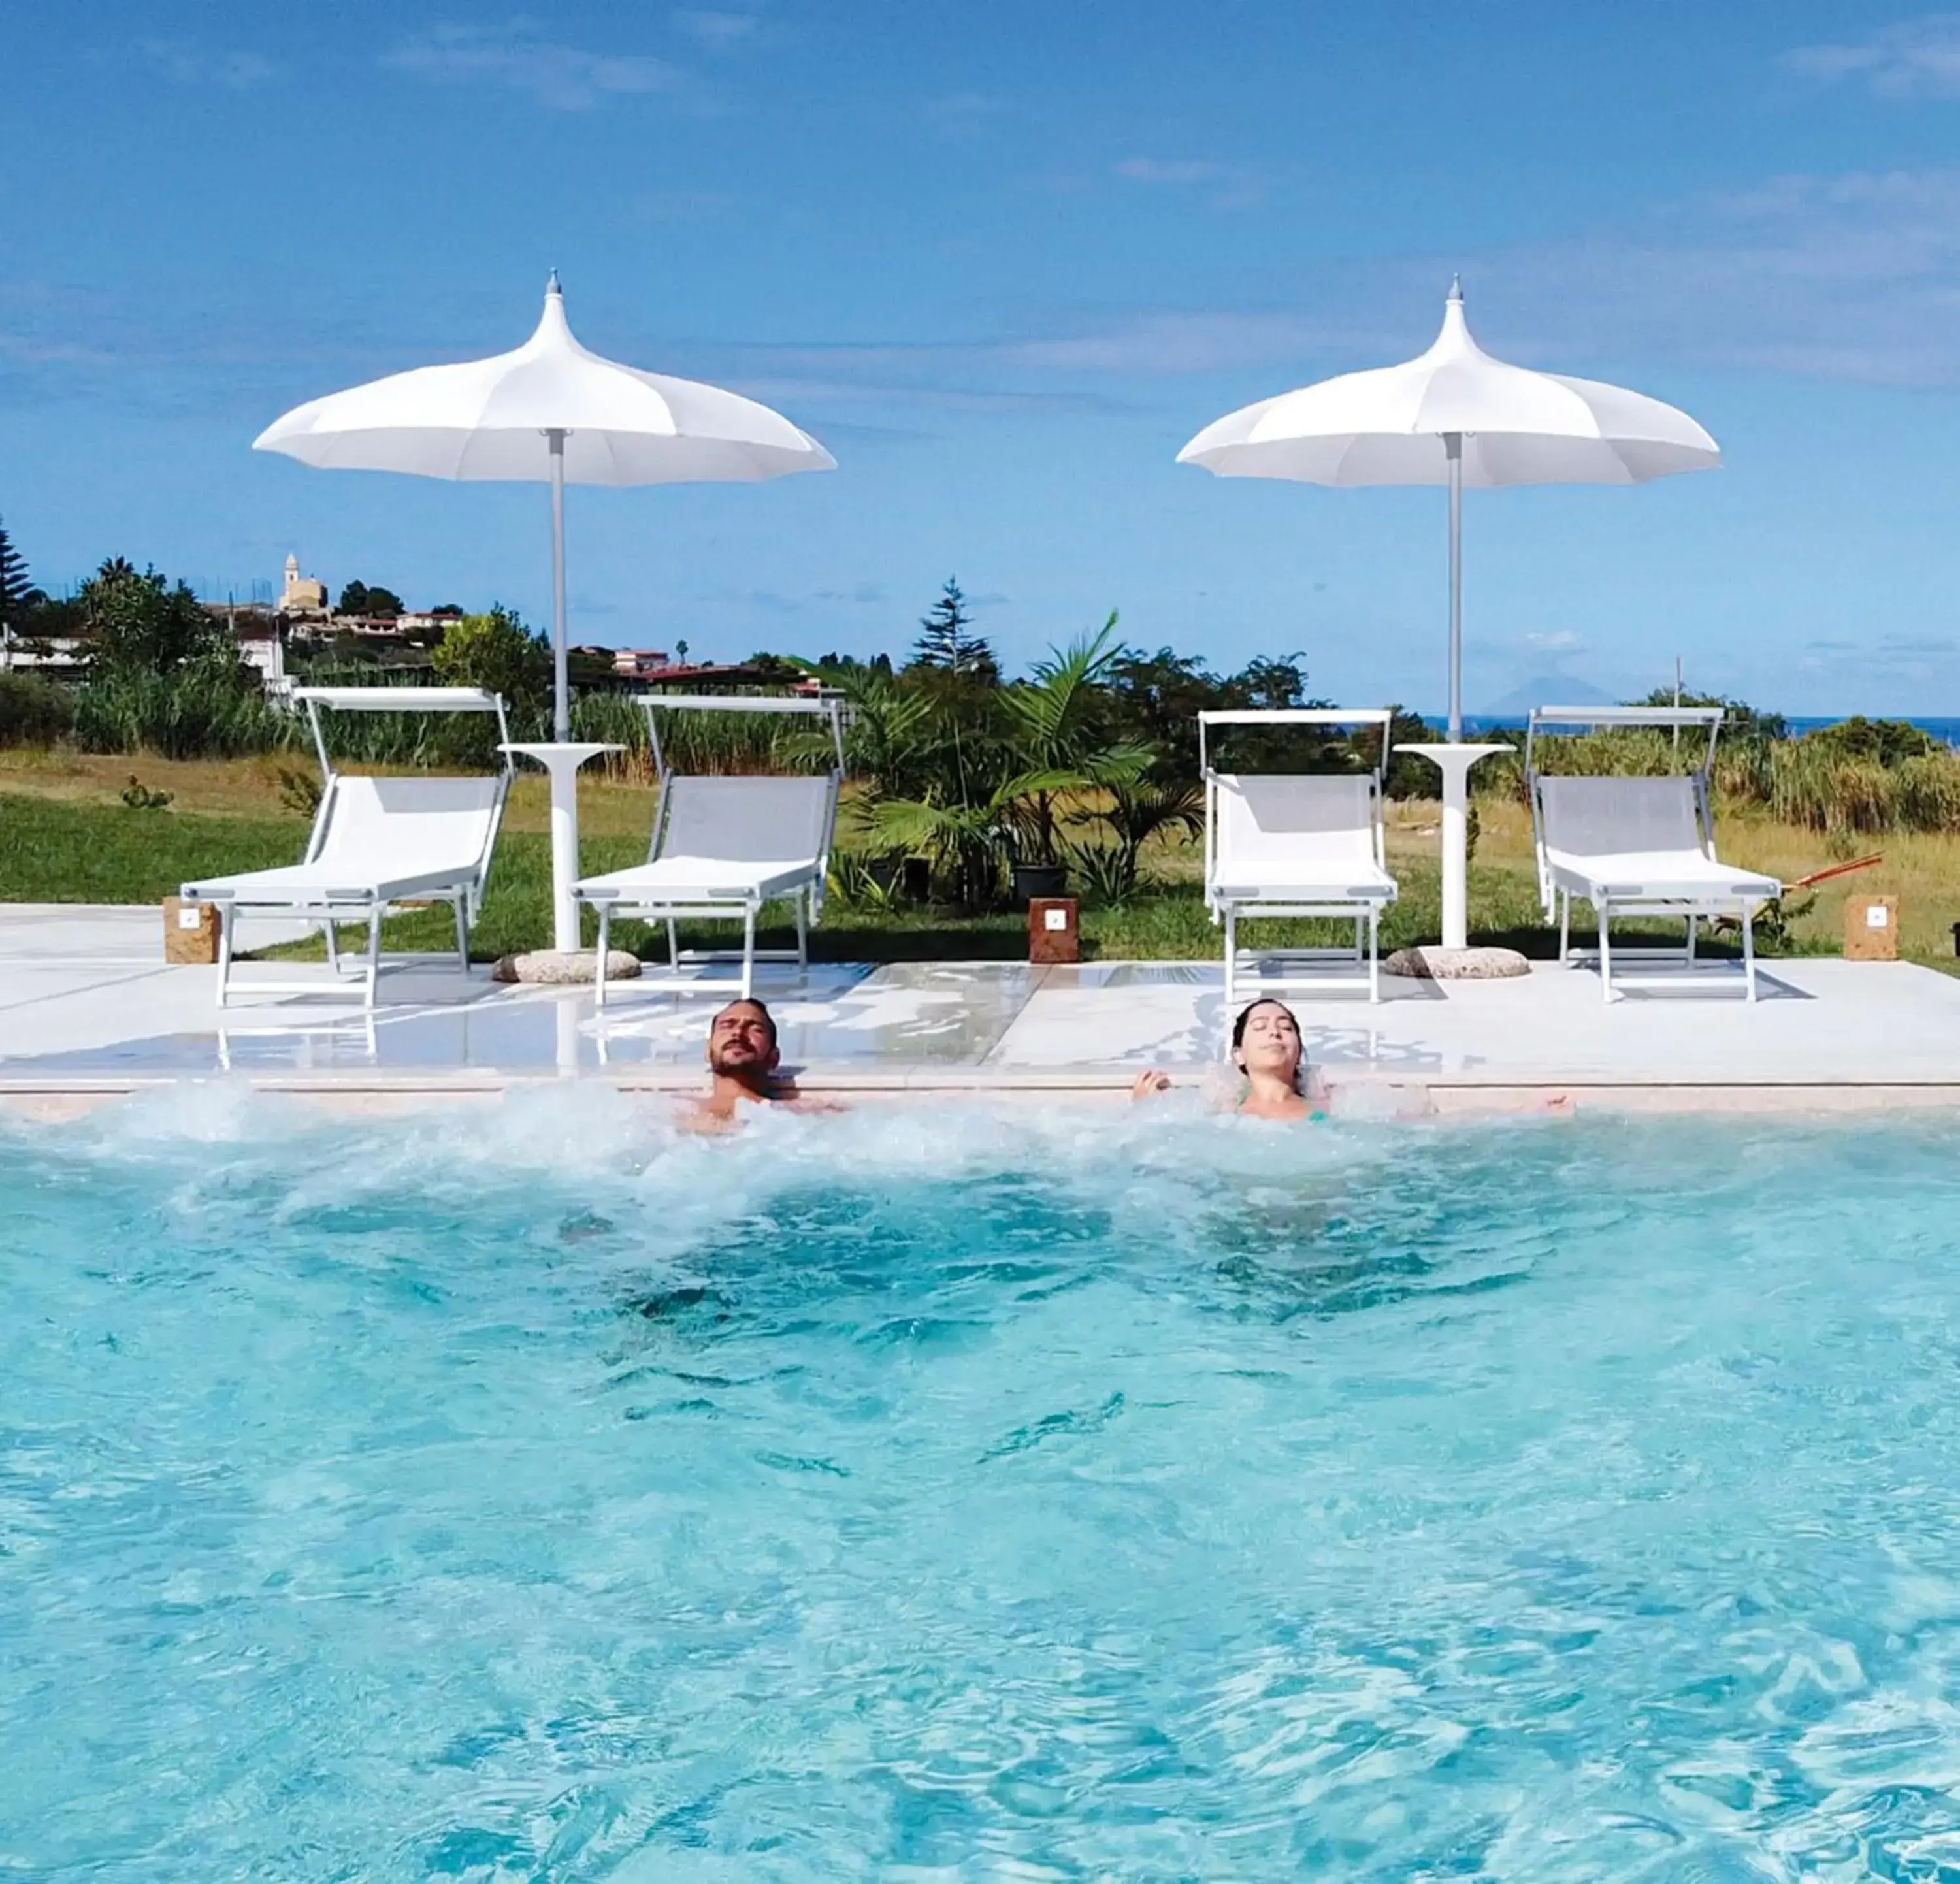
(1946, 727)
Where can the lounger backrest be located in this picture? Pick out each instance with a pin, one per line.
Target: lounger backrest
(1602, 817)
(405, 826)
(747, 820)
(1268, 825)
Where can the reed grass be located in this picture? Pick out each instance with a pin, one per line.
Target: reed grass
(1820, 782)
(717, 744)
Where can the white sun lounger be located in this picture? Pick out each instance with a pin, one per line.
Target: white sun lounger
(375, 843)
(1640, 847)
(723, 846)
(1297, 844)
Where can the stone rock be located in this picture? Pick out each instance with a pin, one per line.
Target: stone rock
(554, 968)
(1457, 965)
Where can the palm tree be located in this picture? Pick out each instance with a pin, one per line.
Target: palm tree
(1137, 811)
(973, 776)
(1057, 728)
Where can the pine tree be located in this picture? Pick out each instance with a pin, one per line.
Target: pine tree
(949, 641)
(14, 582)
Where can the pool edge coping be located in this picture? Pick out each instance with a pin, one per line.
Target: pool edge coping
(1444, 1095)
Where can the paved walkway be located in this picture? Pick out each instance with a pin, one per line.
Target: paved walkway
(86, 1005)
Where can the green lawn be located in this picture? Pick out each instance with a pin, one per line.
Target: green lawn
(64, 850)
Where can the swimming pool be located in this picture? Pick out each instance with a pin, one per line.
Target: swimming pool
(524, 1494)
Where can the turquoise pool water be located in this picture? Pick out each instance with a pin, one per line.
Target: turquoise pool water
(942, 1496)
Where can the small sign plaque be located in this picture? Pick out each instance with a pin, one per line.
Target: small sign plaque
(1871, 929)
(1052, 930)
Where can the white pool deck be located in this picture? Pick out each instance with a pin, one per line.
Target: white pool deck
(88, 1009)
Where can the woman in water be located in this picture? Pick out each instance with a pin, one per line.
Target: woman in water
(1266, 1048)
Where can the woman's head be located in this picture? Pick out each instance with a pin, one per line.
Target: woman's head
(1265, 1039)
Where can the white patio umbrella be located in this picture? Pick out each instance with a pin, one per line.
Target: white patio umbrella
(1455, 416)
(549, 412)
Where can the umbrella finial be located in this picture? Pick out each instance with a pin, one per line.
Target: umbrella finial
(550, 284)
(1455, 288)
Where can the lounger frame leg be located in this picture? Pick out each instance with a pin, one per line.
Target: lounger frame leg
(599, 963)
(462, 936)
(749, 953)
(227, 918)
(374, 951)
(1605, 912)
(1374, 952)
(673, 947)
(1748, 954)
(1231, 957)
(801, 904)
(1565, 928)
(1690, 954)
(328, 929)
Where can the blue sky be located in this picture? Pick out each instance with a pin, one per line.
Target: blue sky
(1004, 260)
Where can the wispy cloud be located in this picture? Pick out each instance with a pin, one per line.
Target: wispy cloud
(684, 205)
(517, 57)
(1853, 277)
(1169, 342)
(1152, 169)
(1224, 186)
(962, 113)
(713, 28)
(1889, 667)
(185, 64)
(1912, 58)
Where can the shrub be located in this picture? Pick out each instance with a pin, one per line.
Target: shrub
(1889, 742)
(34, 710)
(140, 623)
(1928, 790)
(498, 653)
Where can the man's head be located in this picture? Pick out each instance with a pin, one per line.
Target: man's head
(742, 1043)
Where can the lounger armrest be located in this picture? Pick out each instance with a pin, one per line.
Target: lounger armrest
(1382, 889)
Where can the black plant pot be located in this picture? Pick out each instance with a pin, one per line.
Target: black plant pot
(1033, 880)
(909, 877)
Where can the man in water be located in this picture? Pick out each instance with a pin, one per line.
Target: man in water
(742, 1062)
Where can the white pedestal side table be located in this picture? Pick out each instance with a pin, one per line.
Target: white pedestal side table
(1454, 760)
(561, 759)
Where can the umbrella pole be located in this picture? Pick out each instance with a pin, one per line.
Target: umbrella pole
(563, 765)
(1452, 445)
(561, 689)
(1455, 821)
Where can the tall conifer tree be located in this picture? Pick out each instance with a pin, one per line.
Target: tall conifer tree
(949, 641)
(14, 582)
